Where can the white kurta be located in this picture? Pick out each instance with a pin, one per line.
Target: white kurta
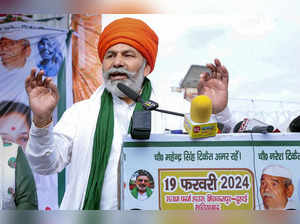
(70, 142)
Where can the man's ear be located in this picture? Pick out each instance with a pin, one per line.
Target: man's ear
(290, 190)
(147, 70)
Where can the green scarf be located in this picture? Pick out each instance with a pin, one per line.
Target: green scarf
(102, 146)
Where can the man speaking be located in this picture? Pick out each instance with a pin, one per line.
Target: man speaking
(88, 137)
(276, 188)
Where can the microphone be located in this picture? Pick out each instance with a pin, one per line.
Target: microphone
(295, 125)
(252, 126)
(147, 105)
(199, 123)
(141, 120)
(141, 125)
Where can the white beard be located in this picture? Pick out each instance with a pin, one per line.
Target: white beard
(134, 80)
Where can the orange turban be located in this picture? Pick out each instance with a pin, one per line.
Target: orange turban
(133, 32)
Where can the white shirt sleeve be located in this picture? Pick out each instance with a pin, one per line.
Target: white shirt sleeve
(49, 149)
(225, 117)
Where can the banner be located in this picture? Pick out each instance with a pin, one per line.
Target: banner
(24, 46)
(226, 172)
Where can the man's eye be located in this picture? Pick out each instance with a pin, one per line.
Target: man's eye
(108, 56)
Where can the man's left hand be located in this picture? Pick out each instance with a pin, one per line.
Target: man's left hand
(215, 86)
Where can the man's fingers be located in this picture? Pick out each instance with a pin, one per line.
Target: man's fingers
(28, 84)
(219, 68)
(32, 73)
(53, 88)
(225, 76)
(204, 77)
(46, 82)
(222, 73)
(217, 62)
(212, 67)
(225, 71)
(39, 78)
(29, 79)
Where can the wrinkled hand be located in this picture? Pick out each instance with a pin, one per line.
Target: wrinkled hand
(43, 97)
(215, 86)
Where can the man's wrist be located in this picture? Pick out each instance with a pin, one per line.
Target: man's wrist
(42, 123)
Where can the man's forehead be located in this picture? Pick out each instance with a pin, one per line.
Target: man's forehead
(270, 177)
(143, 176)
(7, 40)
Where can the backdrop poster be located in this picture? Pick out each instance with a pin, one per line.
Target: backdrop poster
(170, 172)
(24, 46)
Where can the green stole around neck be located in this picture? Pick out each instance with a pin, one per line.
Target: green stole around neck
(102, 145)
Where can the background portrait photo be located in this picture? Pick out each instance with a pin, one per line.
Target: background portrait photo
(24, 46)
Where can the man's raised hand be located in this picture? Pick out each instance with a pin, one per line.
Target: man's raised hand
(43, 97)
(215, 85)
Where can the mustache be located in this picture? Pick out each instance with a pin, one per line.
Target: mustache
(113, 71)
(268, 195)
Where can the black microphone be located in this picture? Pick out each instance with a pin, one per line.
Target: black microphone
(141, 125)
(141, 120)
(252, 126)
(130, 93)
(147, 105)
(295, 125)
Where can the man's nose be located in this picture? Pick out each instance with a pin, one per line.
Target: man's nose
(118, 62)
(266, 188)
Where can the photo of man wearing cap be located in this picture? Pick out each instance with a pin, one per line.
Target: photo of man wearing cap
(276, 188)
(14, 53)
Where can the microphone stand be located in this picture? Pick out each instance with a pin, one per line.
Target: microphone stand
(148, 105)
(170, 112)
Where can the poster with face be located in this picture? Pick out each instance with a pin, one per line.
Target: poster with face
(227, 172)
(24, 46)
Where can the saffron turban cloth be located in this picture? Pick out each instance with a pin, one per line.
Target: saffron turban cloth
(133, 32)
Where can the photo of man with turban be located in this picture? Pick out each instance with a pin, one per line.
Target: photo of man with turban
(88, 137)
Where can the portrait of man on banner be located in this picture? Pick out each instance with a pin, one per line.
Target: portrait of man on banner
(277, 188)
(141, 185)
(14, 53)
(23, 46)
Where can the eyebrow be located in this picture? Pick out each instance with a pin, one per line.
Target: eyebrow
(275, 180)
(129, 51)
